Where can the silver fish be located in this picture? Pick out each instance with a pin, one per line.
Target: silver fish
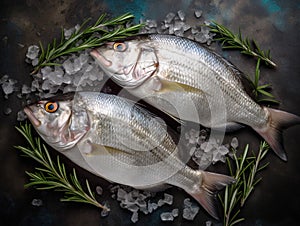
(113, 138)
(186, 80)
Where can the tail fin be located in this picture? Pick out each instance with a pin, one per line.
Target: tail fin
(272, 133)
(211, 184)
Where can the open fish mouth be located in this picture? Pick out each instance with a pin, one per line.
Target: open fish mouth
(31, 117)
(94, 53)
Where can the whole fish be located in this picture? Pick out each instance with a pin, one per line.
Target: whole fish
(113, 138)
(187, 80)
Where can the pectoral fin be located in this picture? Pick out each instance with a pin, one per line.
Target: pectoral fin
(170, 86)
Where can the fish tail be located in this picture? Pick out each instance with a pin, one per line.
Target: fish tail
(211, 183)
(272, 133)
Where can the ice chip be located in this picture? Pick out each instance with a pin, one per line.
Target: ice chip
(200, 37)
(36, 202)
(160, 202)
(121, 194)
(7, 111)
(168, 199)
(141, 202)
(198, 153)
(68, 32)
(104, 213)
(208, 223)
(151, 23)
(25, 89)
(32, 52)
(166, 216)
(132, 207)
(169, 18)
(135, 217)
(21, 116)
(175, 212)
(7, 88)
(198, 13)
(35, 62)
(187, 202)
(181, 15)
(234, 143)
(68, 66)
(99, 190)
(3, 79)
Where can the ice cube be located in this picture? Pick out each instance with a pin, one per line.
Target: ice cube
(189, 213)
(32, 52)
(208, 223)
(198, 13)
(83, 58)
(234, 143)
(198, 153)
(45, 71)
(175, 212)
(181, 15)
(3, 79)
(36, 202)
(166, 216)
(7, 88)
(141, 203)
(132, 207)
(35, 62)
(68, 66)
(68, 32)
(187, 202)
(169, 17)
(25, 89)
(21, 116)
(200, 37)
(160, 202)
(99, 190)
(168, 199)
(135, 217)
(151, 23)
(7, 111)
(121, 194)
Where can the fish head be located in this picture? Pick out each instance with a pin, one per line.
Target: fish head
(52, 119)
(129, 63)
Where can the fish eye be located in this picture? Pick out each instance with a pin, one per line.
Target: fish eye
(120, 46)
(51, 107)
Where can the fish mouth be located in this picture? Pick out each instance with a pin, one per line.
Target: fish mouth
(95, 53)
(31, 117)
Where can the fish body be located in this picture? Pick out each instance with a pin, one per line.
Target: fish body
(121, 142)
(186, 80)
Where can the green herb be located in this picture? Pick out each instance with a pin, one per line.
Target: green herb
(52, 175)
(87, 37)
(230, 40)
(261, 90)
(244, 170)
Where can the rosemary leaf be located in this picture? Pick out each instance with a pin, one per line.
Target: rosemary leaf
(52, 174)
(229, 40)
(87, 36)
(235, 195)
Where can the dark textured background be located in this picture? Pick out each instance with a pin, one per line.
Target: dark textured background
(273, 23)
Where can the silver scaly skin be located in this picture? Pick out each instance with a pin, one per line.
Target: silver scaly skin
(113, 138)
(180, 77)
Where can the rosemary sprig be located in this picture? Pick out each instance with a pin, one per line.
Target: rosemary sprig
(245, 170)
(261, 92)
(87, 37)
(52, 175)
(229, 40)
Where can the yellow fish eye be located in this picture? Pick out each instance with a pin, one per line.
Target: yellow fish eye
(51, 107)
(120, 46)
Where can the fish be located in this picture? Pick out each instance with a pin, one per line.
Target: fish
(116, 139)
(189, 81)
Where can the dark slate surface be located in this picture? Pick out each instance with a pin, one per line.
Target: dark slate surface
(273, 23)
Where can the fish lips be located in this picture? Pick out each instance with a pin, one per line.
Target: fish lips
(95, 53)
(32, 117)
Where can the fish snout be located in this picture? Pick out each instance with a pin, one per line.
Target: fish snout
(99, 57)
(32, 117)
